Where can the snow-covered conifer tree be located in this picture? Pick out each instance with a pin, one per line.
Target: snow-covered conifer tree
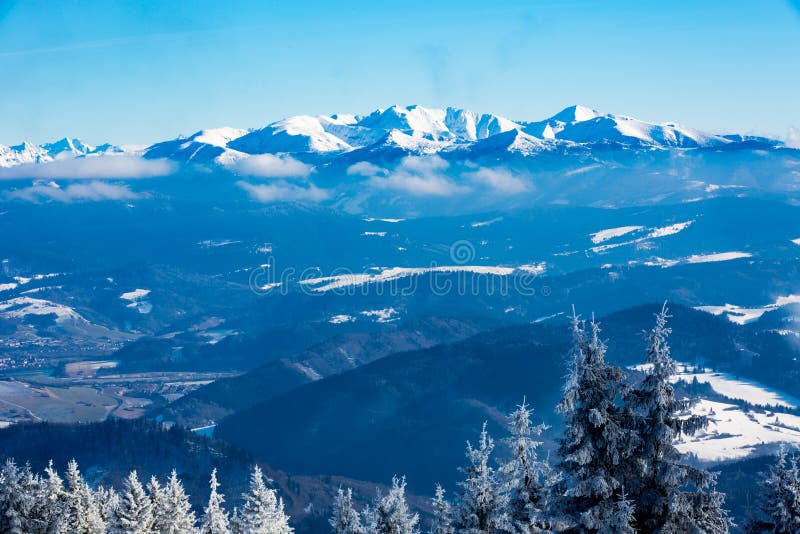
(262, 512)
(215, 518)
(442, 516)
(344, 518)
(523, 475)
(391, 514)
(82, 511)
(23, 506)
(181, 519)
(134, 513)
(596, 442)
(481, 505)
(666, 491)
(780, 506)
(107, 501)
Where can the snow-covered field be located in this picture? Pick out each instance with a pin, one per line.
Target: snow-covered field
(734, 432)
(330, 283)
(741, 315)
(136, 300)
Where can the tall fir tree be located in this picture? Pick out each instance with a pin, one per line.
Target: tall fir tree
(345, 519)
(215, 518)
(134, 513)
(442, 522)
(391, 514)
(482, 504)
(596, 442)
(780, 499)
(262, 512)
(82, 511)
(668, 494)
(523, 475)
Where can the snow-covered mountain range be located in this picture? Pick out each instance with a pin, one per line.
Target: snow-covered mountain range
(411, 130)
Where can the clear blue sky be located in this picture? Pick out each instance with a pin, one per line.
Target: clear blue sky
(137, 72)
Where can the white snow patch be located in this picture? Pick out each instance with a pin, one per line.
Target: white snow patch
(480, 224)
(376, 234)
(385, 315)
(136, 300)
(373, 219)
(339, 319)
(329, 283)
(718, 256)
(796, 241)
(8, 287)
(21, 306)
(611, 233)
(672, 229)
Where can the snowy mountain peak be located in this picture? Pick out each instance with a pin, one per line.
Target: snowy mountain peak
(576, 113)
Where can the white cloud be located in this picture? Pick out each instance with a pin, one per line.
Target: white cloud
(365, 168)
(86, 191)
(271, 166)
(91, 168)
(283, 191)
(424, 164)
(793, 138)
(420, 176)
(499, 179)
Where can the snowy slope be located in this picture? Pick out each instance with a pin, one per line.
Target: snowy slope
(200, 147)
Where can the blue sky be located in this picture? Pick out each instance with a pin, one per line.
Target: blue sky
(137, 72)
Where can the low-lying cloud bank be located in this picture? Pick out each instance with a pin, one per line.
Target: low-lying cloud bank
(83, 191)
(119, 167)
(283, 191)
(432, 176)
(270, 166)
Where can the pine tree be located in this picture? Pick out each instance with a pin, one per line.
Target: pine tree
(215, 518)
(657, 479)
(391, 514)
(442, 516)
(780, 507)
(134, 513)
(82, 512)
(523, 475)
(596, 442)
(262, 512)
(345, 518)
(482, 505)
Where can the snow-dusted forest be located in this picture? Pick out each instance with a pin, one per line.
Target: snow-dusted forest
(616, 470)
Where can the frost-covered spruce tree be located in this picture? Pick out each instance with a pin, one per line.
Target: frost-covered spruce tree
(181, 518)
(523, 474)
(134, 513)
(442, 516)
(107, 501)
(596, 442)
(51, 504)
(390, 514)
(481, 507)
(344, 518)
(262, 512)
(158, 505)
(23, 508)
(780, 500)
(215, 518)
(666, 491)
(82, 511)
